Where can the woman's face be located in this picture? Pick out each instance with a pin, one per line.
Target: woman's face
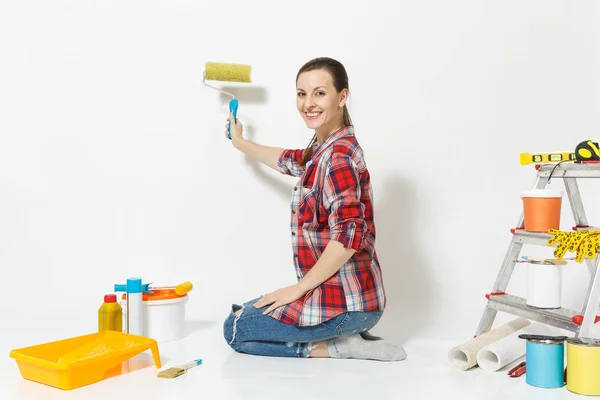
(318, 102)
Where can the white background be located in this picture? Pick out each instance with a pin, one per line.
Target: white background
(113, 161)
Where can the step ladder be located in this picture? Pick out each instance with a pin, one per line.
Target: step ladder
(579, 322)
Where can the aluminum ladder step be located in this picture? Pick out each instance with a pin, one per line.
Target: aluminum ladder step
(540, 238)
(528, 237)
(560, 317)
(570, 170)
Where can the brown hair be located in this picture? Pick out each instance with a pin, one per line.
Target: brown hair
(340, 82)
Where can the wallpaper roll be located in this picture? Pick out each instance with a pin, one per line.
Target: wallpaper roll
(464, 356)
(508, 349)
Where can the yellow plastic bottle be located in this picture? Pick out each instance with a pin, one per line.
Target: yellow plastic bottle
(110, 314)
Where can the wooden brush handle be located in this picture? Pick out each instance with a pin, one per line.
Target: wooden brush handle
(191, 364)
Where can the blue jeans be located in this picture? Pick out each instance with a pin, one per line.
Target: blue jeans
(254, 333)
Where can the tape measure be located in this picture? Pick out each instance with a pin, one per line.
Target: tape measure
(587, 151)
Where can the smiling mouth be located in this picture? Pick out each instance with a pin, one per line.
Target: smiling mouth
(313, 115)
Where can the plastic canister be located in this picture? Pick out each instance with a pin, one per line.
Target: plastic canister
(109, 314)
(545, 359)
(164, 314)
(583, 366)
(541, 209)
(544, 285)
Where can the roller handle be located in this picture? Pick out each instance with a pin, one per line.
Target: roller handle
(183, 288)
(233, 107)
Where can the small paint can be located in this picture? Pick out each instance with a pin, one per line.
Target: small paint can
(583, 366)
(545, 360)
(544, 285)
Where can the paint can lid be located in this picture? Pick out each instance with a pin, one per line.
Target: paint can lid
(158, 294)
(591, 342)
(543, 193)
(543, 339)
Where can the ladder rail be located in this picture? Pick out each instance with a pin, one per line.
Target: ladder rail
(572, 189)
(574, 195)
(502, 280)
(591, 302)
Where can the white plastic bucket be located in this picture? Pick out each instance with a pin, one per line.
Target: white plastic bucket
(164, 320)
(544, 285)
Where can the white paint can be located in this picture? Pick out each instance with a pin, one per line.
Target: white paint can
(544, 285)
(164, 315)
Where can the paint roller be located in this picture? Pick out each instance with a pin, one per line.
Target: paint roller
(215, 71)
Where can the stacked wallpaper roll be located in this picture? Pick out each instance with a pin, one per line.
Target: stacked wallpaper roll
(496, 348)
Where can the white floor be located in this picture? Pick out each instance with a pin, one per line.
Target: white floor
(425, 374)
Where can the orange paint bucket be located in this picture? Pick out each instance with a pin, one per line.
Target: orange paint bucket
(541, 209)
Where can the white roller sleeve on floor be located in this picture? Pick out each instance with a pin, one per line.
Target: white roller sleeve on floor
(464, 356)
(508, 349)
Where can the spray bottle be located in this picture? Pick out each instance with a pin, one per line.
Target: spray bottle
(135, 314)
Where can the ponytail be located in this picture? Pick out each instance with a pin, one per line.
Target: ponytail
(308, 151)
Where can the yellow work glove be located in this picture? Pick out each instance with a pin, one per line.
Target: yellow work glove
(563, 239)
(586, 243)
(590, 246)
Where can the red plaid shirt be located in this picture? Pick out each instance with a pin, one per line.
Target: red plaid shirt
(333, 201)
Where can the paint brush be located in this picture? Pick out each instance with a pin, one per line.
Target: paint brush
(174, 372)
(547, 261)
